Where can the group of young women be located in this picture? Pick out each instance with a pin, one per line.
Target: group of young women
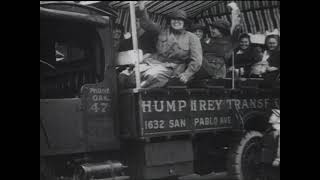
(250, 60)
(202, 52)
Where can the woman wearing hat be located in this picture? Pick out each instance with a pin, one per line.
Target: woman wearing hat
(178, 52)
(199, 30)
(217, 50)
(202, 32)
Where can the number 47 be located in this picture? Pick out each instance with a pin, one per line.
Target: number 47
(99, 107)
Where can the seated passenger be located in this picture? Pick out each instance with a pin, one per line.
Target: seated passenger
(178, 52)
(244, 56)
(217, 49)
(269, 66)
(273, 52)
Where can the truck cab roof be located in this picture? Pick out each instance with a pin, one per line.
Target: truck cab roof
(75, 12)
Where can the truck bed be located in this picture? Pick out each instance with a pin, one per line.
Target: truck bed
(185, 110)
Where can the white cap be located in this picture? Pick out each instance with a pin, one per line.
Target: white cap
(257, 38)
(127, 35)
(274, 32)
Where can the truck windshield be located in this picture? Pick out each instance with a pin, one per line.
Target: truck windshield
(71, 55)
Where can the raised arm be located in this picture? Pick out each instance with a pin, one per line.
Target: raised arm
(235, 35)
(235, 24)
(146, 23)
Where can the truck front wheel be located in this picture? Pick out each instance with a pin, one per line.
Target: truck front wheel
(244, 157)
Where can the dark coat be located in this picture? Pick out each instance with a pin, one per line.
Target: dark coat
(245, 58)
(217, 53)
(274, 59)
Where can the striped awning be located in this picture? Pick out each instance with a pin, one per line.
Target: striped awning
(159, 10)
(166, 7)
(257, 16)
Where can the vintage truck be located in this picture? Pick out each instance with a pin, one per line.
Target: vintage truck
(92, 129)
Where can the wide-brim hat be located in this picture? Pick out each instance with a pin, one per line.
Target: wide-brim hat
(221, 24)
(179, 14)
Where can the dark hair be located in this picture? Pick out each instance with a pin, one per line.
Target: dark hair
(274, 36)
(245, 35)
(224, 32)
(257, 46)
(204, 31)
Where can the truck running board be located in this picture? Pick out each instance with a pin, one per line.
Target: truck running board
(115, 178)
(211, 176)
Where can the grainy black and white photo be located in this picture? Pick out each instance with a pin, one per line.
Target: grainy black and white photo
(160, 90)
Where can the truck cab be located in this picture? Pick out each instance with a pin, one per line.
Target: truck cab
(78, 89)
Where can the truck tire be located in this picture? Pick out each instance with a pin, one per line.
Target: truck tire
(244, 158)
(269, 173)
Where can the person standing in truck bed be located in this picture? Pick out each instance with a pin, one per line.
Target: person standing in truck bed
(178, 52)
(218, 48)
